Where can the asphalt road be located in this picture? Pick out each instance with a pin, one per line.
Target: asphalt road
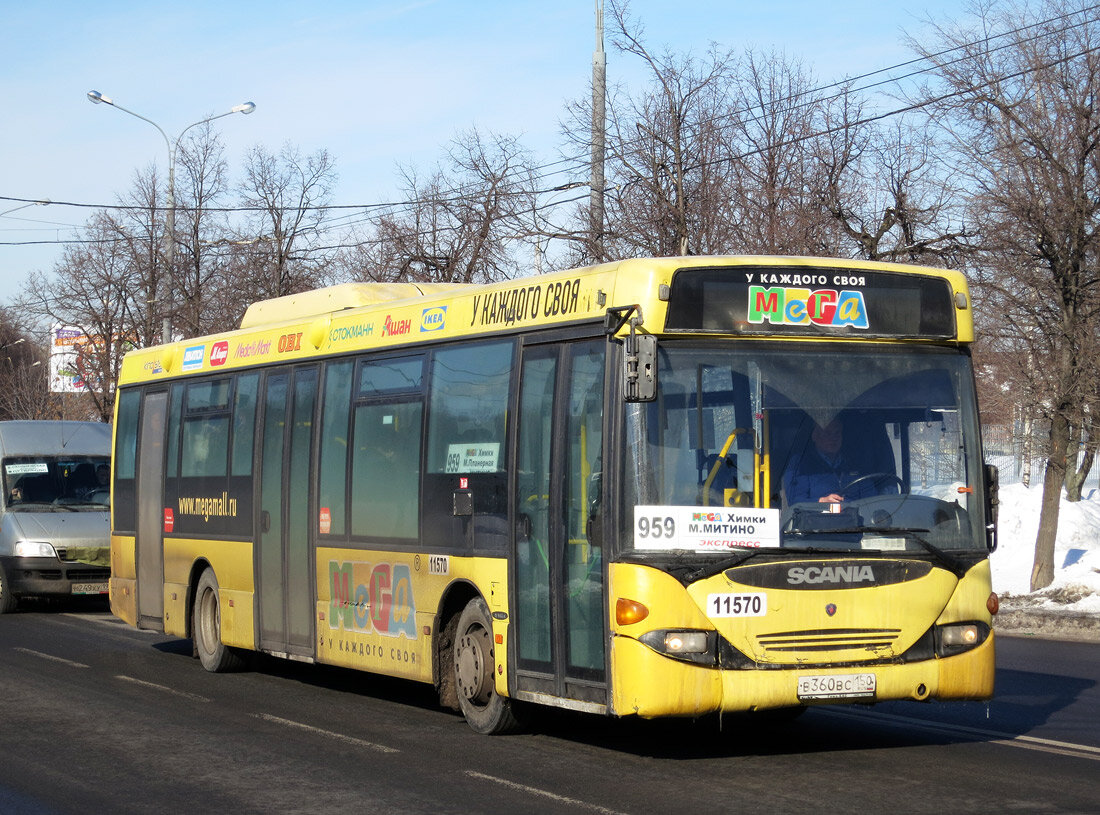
(98, 717)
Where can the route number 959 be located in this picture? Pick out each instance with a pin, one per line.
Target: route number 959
(655, 527)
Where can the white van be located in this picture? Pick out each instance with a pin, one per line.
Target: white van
(55, 510)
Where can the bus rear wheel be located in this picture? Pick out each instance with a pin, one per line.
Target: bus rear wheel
(486, 711)
(206, 629)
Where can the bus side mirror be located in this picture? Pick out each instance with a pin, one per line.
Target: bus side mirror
(639, 353)
(992, 503)
(640, 368)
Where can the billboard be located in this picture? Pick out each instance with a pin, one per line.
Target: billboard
(72, 362)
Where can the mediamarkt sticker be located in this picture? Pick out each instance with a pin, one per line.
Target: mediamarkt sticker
(704, 529)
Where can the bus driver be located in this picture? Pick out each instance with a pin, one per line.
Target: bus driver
(830, 472)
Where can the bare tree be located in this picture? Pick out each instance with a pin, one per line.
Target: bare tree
(285, 196)
(666, 172)
(461, 221)
(201, 232)
(1020, 111)
(1084, 432)
(24, 389)
(887, 189)
(772, 144)
(725, 154)
(97, 289)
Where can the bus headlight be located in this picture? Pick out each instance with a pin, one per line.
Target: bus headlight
(684, 644)
(958, 637)
(34, 549)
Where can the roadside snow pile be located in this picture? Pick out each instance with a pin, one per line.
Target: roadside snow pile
(1076, 586)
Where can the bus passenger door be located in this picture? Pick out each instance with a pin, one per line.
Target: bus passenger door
(284, 570)
(150, 512)
(559, 606)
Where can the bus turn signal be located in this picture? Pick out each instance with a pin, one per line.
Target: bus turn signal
(628, 612)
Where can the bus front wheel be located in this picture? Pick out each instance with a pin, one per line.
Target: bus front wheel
(206, 628)
(485, 710)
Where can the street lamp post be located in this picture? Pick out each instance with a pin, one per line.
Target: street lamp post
(41, 203)
(95, 97)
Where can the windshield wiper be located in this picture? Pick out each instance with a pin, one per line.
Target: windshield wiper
(957, 566)
(712, 569)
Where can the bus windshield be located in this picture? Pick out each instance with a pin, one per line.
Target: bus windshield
(47, 483)
(806, 447)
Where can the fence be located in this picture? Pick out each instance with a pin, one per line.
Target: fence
(1005, 447)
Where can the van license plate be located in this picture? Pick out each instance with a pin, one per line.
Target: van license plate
(90, 588)
(837, 686)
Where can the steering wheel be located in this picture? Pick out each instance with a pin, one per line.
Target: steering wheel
(876, 477)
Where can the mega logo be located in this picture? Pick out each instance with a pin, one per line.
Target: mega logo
(193, 357)
(433, 319)
(370, 598)
(219, 353)
(783, 305)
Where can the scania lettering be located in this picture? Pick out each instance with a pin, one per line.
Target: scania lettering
(829, 574)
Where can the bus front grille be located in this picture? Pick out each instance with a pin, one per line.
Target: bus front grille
(839, 639)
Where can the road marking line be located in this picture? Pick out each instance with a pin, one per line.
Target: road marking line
(369, 745)
(994, 736)
(52, 658)
(193, 696)
(544, 793)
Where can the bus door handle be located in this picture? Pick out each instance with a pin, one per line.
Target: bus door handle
(523, 526)
(265, 521)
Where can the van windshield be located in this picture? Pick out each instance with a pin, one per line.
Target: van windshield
(56, 483)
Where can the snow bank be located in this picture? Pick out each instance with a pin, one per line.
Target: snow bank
(1076, 585)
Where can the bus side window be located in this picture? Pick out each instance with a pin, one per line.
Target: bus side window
(332, 489)
(467, 445)
(386, 470)
(385, 464)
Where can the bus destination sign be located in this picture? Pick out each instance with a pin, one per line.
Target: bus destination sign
(810, 301)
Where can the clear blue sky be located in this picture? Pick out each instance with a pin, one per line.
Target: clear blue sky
(375, 83)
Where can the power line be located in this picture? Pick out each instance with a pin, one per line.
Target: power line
(458, 193)
(461, 193)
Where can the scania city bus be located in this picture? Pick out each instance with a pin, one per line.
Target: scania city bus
(656, 487)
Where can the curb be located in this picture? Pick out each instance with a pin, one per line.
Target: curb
(1056, 625)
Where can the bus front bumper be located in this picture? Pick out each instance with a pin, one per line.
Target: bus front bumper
(650, 685)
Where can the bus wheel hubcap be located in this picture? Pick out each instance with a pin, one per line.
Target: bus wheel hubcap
(471, 660)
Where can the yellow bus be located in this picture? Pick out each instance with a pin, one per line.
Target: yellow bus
(656, 487)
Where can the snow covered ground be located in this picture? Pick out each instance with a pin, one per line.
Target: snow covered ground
(1076, 586)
